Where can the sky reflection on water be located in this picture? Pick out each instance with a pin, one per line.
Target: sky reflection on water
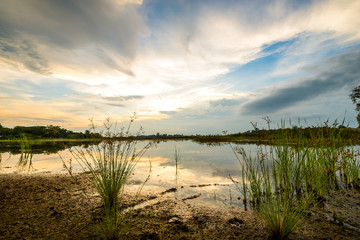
(201, 169)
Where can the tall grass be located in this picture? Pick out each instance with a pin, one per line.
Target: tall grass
(275, 189)
(25, 159)
(285, 180)
(177, 157)
(111, 163)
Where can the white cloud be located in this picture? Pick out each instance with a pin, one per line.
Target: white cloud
(104, 48)
(84, 33)
(338, 16)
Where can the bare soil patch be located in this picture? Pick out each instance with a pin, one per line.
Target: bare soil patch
(54, 207)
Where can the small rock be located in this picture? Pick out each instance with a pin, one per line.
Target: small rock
(235, 222)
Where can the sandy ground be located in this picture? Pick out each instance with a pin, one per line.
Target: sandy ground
(54, 207)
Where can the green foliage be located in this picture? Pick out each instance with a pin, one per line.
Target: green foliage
(38, 132)
(111, 163)
(281, 214)
(25, 159)
(355, 98)
(275, 189)
(286, 179)
(114, 224)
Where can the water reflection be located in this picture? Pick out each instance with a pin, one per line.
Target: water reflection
(25, 161)
(40, 146)
(195, 170)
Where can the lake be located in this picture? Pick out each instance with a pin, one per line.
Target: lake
(202, 170)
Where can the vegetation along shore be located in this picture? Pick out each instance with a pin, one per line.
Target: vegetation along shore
(302, 184)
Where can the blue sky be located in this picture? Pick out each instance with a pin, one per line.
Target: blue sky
(192, 67)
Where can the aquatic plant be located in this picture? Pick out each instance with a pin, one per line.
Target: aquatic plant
(110, 164)
(25, 159)
(177, 158)
(285, 180)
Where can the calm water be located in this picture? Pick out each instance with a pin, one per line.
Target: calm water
(202, 170)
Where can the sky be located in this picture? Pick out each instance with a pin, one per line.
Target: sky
(184, 66)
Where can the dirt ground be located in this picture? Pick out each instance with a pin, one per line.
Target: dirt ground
(54, 207)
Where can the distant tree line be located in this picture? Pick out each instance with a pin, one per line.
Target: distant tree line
(38, 132)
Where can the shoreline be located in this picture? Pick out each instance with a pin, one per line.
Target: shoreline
(52, 206)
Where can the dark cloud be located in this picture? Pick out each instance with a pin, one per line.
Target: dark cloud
(333, 74)
(24, 52)
(70, 25)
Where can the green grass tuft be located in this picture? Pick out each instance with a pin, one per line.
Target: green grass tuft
(111, 163)
(284, 181)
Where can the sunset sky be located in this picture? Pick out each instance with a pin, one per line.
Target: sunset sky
(184, 66)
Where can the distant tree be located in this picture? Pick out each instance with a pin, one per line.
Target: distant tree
(87, 134)
(355, 97)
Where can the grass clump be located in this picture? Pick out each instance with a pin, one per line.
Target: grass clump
(25, 159)
(274, 188)
(284, 181)
(282, 214)
(110, 164)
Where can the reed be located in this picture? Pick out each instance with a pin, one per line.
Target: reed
(177, 157)
(111, 163)
(25, 159)
(287, 179)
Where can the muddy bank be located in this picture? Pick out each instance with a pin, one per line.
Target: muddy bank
(54, 207)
